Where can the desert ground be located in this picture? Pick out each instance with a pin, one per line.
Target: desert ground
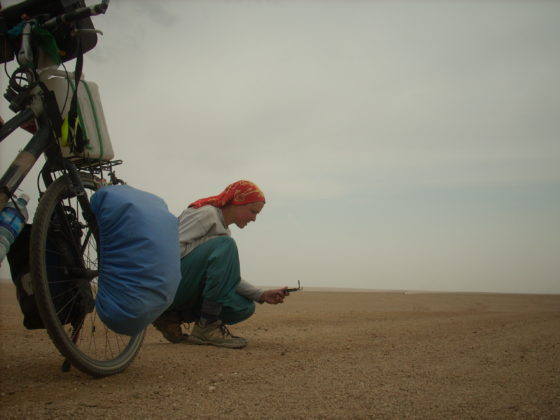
(320, 355)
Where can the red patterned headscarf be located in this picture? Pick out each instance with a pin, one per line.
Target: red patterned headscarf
(238, 193)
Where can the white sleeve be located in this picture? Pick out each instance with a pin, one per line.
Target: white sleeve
(246, 289)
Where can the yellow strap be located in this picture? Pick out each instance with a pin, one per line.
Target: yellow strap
(64, 130)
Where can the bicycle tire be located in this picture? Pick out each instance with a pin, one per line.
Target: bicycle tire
(65, 296)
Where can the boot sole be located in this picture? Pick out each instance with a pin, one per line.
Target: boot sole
(201, 342)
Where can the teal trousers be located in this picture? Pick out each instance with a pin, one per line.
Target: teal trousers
(211, 271)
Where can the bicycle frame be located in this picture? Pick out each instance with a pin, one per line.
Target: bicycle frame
(24, 161)
(43, 108)
(43, 141)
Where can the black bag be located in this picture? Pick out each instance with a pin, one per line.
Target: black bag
(71, 297)
(18, 258)
(11, 16)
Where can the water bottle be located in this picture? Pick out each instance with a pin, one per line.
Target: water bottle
(12, 222)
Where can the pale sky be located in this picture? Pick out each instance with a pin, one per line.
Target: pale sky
(410, 145)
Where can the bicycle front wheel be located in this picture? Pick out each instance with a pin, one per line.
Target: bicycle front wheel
(64, 268)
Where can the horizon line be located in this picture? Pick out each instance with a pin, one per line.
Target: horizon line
(372, 290)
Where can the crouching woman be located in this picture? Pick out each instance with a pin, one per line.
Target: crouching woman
(211, 293)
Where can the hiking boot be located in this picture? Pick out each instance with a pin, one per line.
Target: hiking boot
(216, 334)
(169, 324)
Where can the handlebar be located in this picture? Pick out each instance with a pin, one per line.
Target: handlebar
(69, 28)
(81, 13)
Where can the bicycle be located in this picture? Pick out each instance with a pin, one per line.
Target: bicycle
(63, 250)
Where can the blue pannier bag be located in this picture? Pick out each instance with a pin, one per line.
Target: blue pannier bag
(139, 257)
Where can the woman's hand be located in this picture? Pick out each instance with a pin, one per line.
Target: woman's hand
(274, 296)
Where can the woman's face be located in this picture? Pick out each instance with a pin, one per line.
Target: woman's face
(246, 213)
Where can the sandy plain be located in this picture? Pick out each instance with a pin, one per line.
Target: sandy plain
(320, 355)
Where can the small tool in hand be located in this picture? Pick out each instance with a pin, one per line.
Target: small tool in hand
(294, 289)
